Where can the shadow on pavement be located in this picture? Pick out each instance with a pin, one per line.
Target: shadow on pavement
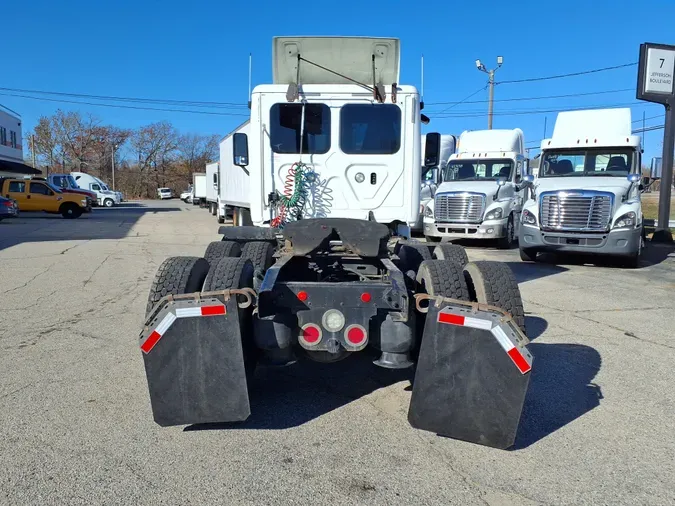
(653, 254)
(525, 271)
(102, 223)
(535, 326)
(561, 389)
(288, 397)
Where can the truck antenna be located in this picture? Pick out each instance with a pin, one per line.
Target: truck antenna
(250, 63)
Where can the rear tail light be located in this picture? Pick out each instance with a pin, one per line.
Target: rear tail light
(302, 296)
(8, 203)
(310, 335)
(356, 335)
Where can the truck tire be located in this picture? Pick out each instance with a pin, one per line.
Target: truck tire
(444, 278)
(528, 254)
(493, 283)
(229, 272)
(221, 219)
(451, 252)
(108, 203)
(70, 210)
(509, 238)
(412, 255)
(261, 254)
(177, 275)
(221, 249)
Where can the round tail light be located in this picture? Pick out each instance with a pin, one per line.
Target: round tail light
(356, 335)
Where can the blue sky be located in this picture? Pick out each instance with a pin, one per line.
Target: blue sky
(199, 51)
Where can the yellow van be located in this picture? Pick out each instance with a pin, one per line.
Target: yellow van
(41, 196)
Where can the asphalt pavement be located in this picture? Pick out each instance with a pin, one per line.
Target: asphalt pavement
(598, 425)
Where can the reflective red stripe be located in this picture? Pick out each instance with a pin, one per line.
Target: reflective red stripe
(213, 310)
(452, 319)
(151, 341)
(519, 360)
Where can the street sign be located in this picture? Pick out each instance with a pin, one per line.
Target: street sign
(656, 83)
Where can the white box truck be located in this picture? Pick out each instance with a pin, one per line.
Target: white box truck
(233, 192)
(333, 153)
(199, 189)
(586, 197)
(212, 183)
(480, 195)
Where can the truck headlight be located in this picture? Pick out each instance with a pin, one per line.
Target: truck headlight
(428, 212)
(83, 202)
(495, 214)
(625, 221)
(529, 218)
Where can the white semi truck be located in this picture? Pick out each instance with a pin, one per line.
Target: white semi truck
(432, 169)
(586, 197)
(480, 195)
(333, 153)
(233, 190)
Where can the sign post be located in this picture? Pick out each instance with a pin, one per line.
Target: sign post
(656, 83)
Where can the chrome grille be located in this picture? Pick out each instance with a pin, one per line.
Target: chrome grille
(576, 210)
(461, 207)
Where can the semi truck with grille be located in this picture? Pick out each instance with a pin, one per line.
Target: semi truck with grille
(327, 270)
(586, 197)
(480, 195)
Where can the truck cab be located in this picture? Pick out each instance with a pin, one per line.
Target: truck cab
(480, 195)
(105, 196)
(586, 197)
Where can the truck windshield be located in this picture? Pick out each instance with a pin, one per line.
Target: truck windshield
(478, 170)
(587, 162)
(71, 182)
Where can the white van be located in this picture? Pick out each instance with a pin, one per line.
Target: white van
(106, 197)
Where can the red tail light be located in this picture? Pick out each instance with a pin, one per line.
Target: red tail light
(8, 203)
(310, 334)
(365, 297)
(356, 335)
(302, 296)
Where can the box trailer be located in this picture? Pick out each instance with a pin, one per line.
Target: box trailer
(212, 183)
(233, 192)
(199, 189)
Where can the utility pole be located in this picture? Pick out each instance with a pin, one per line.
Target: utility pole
(491, 84)
(32, 149)
(112, 145)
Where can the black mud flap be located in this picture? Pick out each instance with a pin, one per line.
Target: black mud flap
(472, 375)
(194, 361)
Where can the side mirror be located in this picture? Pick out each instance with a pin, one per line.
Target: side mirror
(240, 149)
(432, 150)
(528, 180)
(633, 178)
(501, 181)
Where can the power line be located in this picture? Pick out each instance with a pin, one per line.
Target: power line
(463, 100)
(120, 106)
(129, 99)
(519, 99)
(478, 114)
(572, 74)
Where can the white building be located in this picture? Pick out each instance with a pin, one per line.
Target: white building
(11, 145)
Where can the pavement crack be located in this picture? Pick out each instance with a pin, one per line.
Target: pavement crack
(73, 247)
(27, 282)
(625, 332)
(88, 280)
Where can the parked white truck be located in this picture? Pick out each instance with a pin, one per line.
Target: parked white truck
(212, 184)
(105, 196)
(333, 153)
(444, 145)
(233, 192)
(586, 197)
(480, 195)
(199, 189)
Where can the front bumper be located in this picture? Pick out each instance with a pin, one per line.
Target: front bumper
(486, 230)
(616, 242)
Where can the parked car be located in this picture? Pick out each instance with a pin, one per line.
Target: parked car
(36, 195)
(164, 193)
(186, 196)
(8, 208)
(66, 183)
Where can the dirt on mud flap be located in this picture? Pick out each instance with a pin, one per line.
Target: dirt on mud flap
(472, 373)
(194, 358)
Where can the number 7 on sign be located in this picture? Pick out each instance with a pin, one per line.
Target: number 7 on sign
(662, 61)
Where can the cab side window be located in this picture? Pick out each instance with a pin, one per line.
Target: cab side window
(96, 187)
(17, 187)
(40, 189)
